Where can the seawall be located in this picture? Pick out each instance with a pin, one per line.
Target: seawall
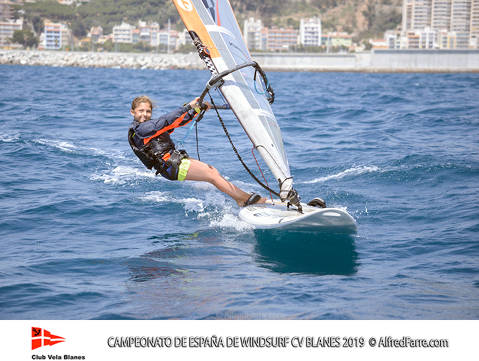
(376, 61)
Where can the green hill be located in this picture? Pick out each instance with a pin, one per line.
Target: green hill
(360, 18)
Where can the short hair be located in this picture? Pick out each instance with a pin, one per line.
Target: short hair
(141, 99)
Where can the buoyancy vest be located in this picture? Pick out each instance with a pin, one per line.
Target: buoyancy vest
(145, 154)
(158, 148)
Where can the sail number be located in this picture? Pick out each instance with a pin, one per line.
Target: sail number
(185, 4)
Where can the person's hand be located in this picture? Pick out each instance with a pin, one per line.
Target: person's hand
(195, 104)
(207, 105)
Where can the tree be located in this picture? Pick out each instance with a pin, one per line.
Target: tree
(370, 14)
(25, 37)
(37, 23)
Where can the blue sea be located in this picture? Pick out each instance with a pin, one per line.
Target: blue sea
(86, 232)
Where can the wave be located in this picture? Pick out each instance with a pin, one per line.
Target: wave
(189, 203)
(348, 172)
(122, 175)
(214, 208)
(10, 138)
(69, 147)
(58, 144)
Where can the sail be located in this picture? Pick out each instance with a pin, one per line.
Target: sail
(214, 23)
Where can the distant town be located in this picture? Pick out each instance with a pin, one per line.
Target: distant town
(426, 24)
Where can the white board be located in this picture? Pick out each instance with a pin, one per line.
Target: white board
(277, 215)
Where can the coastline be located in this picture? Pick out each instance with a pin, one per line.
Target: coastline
(100, 59)
(376, 61)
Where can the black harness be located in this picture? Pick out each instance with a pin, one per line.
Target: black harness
(152, 160)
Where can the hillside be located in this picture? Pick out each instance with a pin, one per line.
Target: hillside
(363, 19)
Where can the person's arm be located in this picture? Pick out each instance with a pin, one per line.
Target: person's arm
(186, 113)
(176, 118)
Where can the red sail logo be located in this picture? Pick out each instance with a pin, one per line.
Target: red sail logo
(42, 337)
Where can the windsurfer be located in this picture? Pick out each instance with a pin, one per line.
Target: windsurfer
(150, 140)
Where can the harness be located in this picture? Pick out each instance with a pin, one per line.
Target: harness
(145, 154)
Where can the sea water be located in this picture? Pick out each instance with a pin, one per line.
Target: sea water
(87, 232)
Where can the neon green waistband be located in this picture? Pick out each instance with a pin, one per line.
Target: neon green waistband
(183, 169)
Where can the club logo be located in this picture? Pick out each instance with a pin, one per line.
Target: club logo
(42, 337)
(185, 4)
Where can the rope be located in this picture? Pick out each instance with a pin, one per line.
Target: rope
(237, 153)
(252, 152)
(197, 141)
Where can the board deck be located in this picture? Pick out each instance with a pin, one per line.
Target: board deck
(277, 215)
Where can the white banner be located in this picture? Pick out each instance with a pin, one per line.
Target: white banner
(231, 340)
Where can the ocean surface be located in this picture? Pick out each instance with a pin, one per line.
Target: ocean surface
(86, 232)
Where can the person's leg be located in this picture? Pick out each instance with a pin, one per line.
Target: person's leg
(199, 171)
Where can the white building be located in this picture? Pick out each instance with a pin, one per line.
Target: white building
(56, 36)
(459, 18)
(310, 32)
(6, 10)
(7, 28)
(168, 39)
(252, 33)
(393, 39)
(183, 38)
(428, 38)
(123, 33)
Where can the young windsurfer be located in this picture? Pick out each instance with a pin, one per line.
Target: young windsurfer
(151, 142)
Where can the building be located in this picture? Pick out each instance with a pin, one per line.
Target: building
(416, 14)
(413, 40)
(183, 38)
(154, 30)
(96, 33)
(337, 40)
(474, 41)
(6, 10)
(56, 36)
(459, 18)
(379, 43)
(310, 32)
(147, 33)
(441, 15)
(393, 39)
(279, 39)
(252, 33)
(427, 38)
(7, 28)
(168, 39)
(123, 33)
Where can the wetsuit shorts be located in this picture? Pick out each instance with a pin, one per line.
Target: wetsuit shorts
(177, 171)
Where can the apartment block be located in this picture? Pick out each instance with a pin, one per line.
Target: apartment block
(278, 39)
(252, 33)
(337, 39)
(310, 32)
(56, 36)
(430, 20)
(416, 14)
(6, 10)
(123, 33)
(7, 28)
(474, 27)
(441, 15)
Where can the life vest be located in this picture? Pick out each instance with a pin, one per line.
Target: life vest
(153, 154)
(145, 155)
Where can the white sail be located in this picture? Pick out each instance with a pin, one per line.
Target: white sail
(214, 23)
